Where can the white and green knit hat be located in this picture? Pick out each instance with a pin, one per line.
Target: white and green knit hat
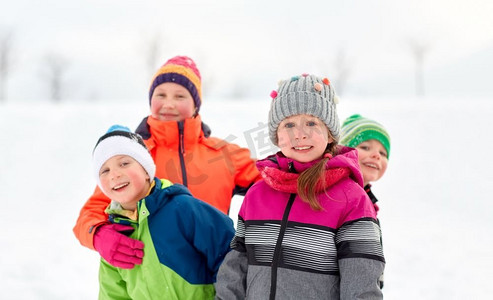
(357, 129)
(304, 94)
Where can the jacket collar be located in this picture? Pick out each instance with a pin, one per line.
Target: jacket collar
(292, 166)
(167, 133)
(163, 193)
(346, 158)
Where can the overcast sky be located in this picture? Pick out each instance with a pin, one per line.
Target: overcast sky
(245, 47)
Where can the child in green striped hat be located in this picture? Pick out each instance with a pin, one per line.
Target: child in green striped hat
(373, 144)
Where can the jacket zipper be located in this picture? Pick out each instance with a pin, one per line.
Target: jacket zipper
(181, 152)
(277, 251)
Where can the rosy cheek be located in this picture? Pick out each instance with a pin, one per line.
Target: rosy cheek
(153, 107)
(283, 140)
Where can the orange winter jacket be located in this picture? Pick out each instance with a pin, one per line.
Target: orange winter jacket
(211, 168)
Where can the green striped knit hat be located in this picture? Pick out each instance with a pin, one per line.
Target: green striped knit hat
(357, 129)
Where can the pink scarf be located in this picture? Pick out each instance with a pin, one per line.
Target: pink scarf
(288, 182)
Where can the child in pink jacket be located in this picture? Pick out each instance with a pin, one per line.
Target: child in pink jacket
(307, 230)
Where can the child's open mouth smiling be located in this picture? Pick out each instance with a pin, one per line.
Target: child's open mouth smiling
(371, 165)
(302, 147)
(120, 186)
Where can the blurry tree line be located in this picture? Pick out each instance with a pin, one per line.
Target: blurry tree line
(6, 41)
(55, 66)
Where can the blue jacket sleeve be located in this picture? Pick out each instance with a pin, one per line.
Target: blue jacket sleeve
(212, 232)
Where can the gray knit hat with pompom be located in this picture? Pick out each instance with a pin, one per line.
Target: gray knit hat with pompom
(305, 94)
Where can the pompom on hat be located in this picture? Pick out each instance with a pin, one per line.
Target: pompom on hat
(304, 94)
(183, 71)
(119, 140)
(357, 129)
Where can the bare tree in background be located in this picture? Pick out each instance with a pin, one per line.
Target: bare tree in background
(6, 46)
(338, 69)
(419, 50)
(239, 89)
(206, 70)
(342, 70)
(55, 67)
(153, 53)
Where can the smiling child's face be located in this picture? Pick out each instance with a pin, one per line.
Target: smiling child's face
(124, 180)
(372, 158)
(303, 138)
(172, 102)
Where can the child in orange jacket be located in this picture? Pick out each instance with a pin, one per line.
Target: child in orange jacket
(181, 146)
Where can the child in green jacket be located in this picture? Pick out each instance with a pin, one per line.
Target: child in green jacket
(373, 144)
(185, 238)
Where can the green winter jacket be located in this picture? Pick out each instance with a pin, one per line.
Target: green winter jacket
(185, 241)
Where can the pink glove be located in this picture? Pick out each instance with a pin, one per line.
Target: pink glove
(116, 248)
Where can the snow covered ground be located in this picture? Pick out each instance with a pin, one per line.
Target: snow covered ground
(435, 200)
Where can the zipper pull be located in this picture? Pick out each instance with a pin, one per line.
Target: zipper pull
(291, 168)
(181, 129)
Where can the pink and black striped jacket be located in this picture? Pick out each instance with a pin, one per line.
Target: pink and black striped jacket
(283, 249)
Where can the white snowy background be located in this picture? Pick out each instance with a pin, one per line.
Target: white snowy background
(435, 198)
